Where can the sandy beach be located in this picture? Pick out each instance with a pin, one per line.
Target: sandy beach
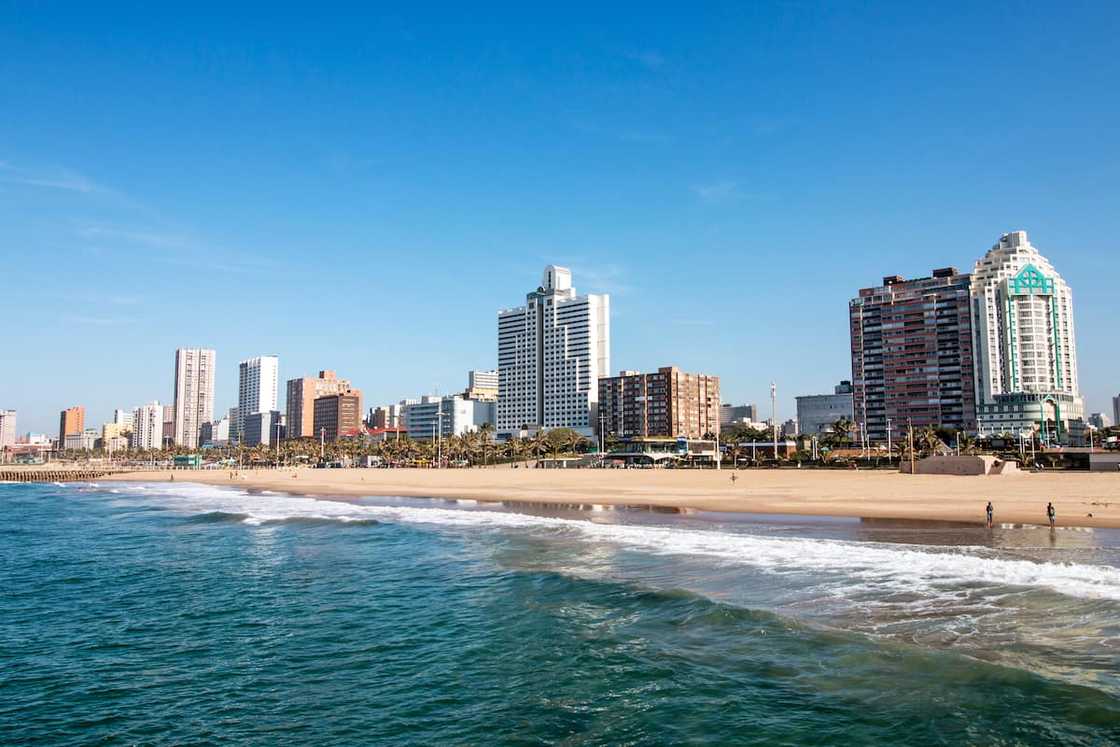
(1081, 499)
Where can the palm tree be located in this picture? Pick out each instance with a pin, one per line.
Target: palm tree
(842, 430)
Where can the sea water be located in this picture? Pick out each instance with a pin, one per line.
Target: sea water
(179, 613)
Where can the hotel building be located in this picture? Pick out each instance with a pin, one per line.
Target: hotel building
(912, 354)
(71, 422)
(1026, 375)
(302, 394)
(551, 353)
(668, 402)
(257, 389)
(194, 394)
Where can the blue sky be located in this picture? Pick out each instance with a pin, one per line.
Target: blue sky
(361, 190)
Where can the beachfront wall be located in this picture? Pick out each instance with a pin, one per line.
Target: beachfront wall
(960, 465)
(1104, 462)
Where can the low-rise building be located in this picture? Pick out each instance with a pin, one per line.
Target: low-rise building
(263, 428)
(737, 415)
(817, 412)
(447, 416)
(482, 385)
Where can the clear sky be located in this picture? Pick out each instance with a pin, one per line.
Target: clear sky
(362, 190)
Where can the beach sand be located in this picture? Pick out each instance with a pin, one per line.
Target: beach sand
(1019, 499)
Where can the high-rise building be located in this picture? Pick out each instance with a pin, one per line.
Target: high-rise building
(168, 426)
(7, 428)
(338, 415)
(448, 416)
(668, 402)
(1116, 409)
(1026, 353)
(302, 394)
(257, 388)
(147, 427)
(482, 385)
(71, 422)
(551, 353)
(194, 394)
(817, 412)
(912, 358)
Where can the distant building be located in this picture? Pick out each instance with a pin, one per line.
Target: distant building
(215, 433)
(912, 354)
(1026, 353)
(71, 422)
(302, 394)
(123, 418)
(386, 416)
(338, 415)
(482, 385)
(448, 416)
(668, 402)
(194, 394)
(790, 428)
(263, 428)
(1116, 409)
(234, 418)
(733, 414)
(258, 385)
(168, 426)
(551, 353)
(7, 428)
(147, 427)
(114, 437)
(1099, 420)
(817, 412)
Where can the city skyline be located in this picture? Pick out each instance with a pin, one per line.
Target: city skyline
(759, 164)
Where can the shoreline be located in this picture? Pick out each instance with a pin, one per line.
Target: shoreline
(1017, 499)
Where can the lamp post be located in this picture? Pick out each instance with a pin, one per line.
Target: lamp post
(910, 430)
(890, 452)
(774, 416)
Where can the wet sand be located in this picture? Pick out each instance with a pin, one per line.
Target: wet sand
(1017, 498)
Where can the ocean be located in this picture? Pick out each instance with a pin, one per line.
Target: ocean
(189, 614)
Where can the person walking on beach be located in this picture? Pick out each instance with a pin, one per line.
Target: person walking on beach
(1050, 513)
(734, 477)
(989, 512)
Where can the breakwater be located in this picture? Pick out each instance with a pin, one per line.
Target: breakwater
(55, 475)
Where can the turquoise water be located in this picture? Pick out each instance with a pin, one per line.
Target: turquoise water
(181, 614)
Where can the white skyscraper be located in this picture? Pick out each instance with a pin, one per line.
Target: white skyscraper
(147, 427)
(258, 386)
(1026, 353)
(194, 393)
(7, 428)
(551, 353)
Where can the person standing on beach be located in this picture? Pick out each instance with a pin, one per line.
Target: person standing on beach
(989, 512)
(1050, 513)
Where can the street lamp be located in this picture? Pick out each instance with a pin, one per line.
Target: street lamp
(774, 415)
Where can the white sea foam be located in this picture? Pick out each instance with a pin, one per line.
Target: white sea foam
(914, 568)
